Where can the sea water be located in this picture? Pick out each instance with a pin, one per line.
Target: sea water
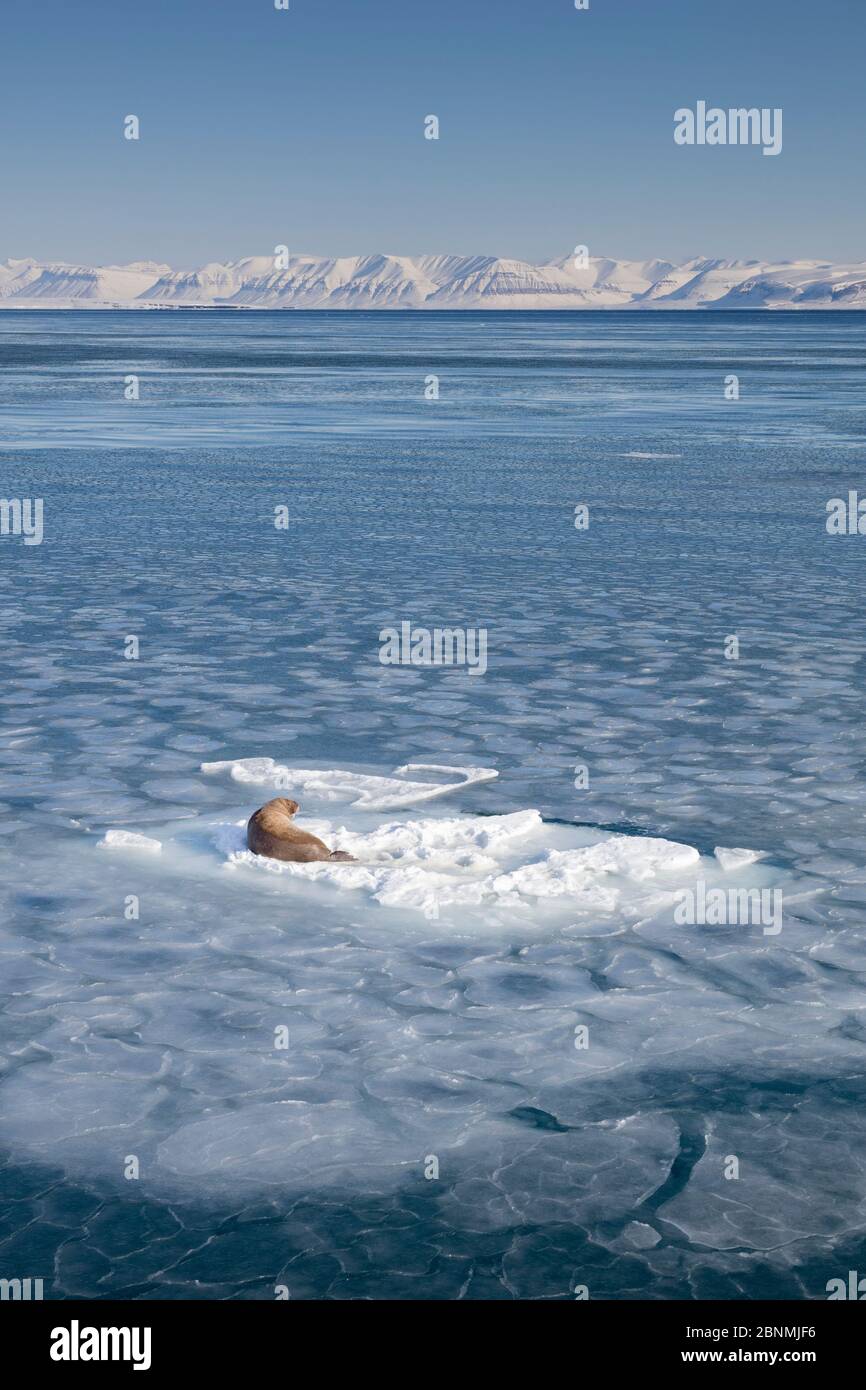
(492, 1059)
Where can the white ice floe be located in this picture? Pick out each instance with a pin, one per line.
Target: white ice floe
(737, 858)
(643, 454)
(367, 790)
(473, 861)
(129, 839)
(570, 871)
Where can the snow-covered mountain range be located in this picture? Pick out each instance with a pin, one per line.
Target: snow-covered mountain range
(436, 282)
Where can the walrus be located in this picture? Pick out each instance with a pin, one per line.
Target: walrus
(272, 833)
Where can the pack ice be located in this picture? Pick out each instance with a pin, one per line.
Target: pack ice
(491, 998)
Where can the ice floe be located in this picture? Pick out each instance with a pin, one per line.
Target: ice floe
(476, 861)
(129, 839)
(373, 792)
(737, 858)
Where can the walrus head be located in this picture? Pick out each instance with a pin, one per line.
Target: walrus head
(291, 808)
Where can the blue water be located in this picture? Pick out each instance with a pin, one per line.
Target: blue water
(606, 648)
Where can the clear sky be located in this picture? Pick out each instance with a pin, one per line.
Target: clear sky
(261, 127)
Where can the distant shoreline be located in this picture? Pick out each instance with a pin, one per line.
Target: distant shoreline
(380, 283)
(715, 310)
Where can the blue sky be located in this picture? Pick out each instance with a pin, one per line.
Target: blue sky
(305, 127)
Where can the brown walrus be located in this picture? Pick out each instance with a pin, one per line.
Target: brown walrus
(272, 832)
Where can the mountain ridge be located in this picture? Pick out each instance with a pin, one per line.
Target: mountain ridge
(388, 281)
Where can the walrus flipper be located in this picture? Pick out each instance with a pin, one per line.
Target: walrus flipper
(342, 856)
